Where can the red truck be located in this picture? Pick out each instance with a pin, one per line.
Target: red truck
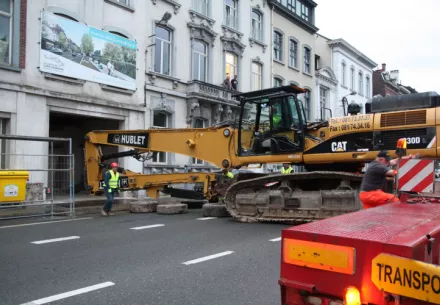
(381, 256)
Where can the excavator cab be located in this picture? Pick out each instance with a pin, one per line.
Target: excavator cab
(272, 121)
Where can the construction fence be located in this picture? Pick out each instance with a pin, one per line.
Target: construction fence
(36, 177)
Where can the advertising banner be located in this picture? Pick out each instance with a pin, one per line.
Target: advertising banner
(73, 49)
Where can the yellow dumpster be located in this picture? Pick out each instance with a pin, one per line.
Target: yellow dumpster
(13, 185)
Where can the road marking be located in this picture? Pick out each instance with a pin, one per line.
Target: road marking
(206, 218)
(71, 293)
(147, 227)
(275, 239)
(39, 242)
(206, 258)
(43, 223)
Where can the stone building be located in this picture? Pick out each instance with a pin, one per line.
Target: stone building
(175, 56)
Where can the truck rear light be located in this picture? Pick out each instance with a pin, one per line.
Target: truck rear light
(314, 300)
(352, 296)
(336, 303)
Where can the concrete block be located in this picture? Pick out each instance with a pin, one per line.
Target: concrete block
(214, 210)
(172, 208)
(143, 206)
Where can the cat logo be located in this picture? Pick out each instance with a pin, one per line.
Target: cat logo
(339, 146)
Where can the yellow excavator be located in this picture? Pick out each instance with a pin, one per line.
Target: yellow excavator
(273, 128)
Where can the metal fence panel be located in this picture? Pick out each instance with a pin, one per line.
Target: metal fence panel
(50, 185)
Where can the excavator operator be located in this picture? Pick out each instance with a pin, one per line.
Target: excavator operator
(374, 183)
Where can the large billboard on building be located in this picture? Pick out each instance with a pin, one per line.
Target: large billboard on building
(73, 49)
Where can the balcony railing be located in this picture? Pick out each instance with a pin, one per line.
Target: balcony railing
(200, 6)
(210, 92)
(257, 34)
(231, 21)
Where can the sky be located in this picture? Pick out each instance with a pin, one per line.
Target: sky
(404, 34)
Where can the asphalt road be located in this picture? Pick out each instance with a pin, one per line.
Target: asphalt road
(177, 259)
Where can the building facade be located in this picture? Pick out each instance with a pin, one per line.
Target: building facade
(161, 69)
(387, 83)
(202, 44)
(343, 76)
(293, 47)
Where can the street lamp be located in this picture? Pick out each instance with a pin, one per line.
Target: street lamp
(165, 18)
(344, 101)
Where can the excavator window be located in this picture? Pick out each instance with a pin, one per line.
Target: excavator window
(277, 126)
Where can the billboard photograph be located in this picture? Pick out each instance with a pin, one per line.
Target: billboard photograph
(73, 49)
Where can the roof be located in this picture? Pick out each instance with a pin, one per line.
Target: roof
(265, 93)
(355, 52)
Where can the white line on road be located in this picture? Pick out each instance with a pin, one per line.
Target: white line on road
(275, 239)
(206, 258)
(71, 293)
(206, 218)
(39, 242)
(147, 227)
(43, 223)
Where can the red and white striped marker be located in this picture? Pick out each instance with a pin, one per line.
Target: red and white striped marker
(416, 176)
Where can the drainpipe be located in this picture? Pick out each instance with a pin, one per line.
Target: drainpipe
(270, 47)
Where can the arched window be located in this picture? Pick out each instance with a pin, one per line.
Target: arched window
(257, 25)
(257, 72)
(277, 82)
(307, 60)
(352, 79)
(367, 86)
(293, 53)
(344, 72)
(278, 45)
(361, 83)
(160, 120)
(307, 108)
(200, 61)
(162, 51)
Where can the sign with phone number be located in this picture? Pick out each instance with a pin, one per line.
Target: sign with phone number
(355, 122)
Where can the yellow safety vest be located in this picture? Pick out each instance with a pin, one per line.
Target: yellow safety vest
(113, 182)
(286, 171)
(276, 120)
(230, 175)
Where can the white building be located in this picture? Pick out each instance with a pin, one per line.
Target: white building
(343, 73)
(180, 65)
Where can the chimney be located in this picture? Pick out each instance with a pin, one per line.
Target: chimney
(384, 67)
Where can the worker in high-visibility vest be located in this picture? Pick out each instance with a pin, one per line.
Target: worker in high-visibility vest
(111, 186)
(287, 169)
(228, 174)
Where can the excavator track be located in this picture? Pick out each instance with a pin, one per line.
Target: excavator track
(295, 198)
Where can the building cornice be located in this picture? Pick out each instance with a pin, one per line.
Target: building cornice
(341, 43)
(74, 98)
(311, 28)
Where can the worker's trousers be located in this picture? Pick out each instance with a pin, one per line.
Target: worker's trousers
(109, 202)
(376, 198)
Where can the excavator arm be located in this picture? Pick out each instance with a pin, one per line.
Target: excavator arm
(129, 180)
(214, 145)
